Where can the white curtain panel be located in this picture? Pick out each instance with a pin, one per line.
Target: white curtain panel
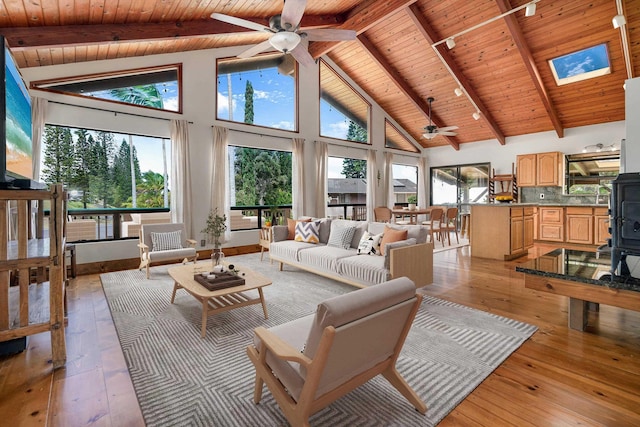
(220, 175)
(390, 197)
(322, 155)
(423, 200)
(371, 183)
(297, 185)
(180, 176)
(38, 113)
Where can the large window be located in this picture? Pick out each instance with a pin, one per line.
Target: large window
(393, 138)
(260, 182)
(405, 184)
(344, 114)
(259, 91)
(460, 185)
(157, 87)
(347, 187)
(591, 173)
(107, 169)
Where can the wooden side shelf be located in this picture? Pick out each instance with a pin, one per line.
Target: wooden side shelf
(26, 247)
(503, 185)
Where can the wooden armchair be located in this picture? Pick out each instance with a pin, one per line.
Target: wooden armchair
(165, 242)
(310, 362)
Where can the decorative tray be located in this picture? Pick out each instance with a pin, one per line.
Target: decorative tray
(215, 281)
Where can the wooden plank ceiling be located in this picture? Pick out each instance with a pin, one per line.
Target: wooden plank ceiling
(502, 65)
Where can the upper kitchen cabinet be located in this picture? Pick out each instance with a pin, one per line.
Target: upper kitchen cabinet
(540, 169)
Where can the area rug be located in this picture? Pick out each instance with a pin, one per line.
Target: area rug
(438, 247)
(182, 379)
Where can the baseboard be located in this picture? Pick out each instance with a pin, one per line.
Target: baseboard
(132, 263)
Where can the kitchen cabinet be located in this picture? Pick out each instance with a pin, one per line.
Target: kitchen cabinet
(601, 224)
(551, 221)
(540, 169)
(579, 224)
(501, 231)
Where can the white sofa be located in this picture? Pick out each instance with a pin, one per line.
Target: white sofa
(412, 258)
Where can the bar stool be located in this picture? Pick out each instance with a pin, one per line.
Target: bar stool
(465, 225)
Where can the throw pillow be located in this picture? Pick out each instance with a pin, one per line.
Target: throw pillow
(370, 244)
(307, 232)
(390, 235)
(341, 236)
(291, 225)
(166, 241)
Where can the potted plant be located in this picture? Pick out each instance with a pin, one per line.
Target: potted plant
(413, 200)
(215, 226)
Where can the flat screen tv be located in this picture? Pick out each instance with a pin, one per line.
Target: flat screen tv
(16, 144)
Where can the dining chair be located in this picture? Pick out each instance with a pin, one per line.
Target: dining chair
(449, 224)
(382, 214)
(433, 224)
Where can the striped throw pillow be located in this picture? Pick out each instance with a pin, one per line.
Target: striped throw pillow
(307, 232)
(166, 241)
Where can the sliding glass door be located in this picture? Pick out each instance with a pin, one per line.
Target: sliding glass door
(460, 185)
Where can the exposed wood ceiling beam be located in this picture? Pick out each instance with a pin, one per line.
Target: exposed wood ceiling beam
(362, 17)
(402, 84)
(530, 65)
(78, 35)
(427, 32)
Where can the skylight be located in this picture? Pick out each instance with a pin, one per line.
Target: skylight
(581, 65)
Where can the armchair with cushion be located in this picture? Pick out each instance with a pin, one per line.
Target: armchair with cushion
(165, 242)
(310, 362)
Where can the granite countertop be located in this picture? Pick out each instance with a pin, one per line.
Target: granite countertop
(579, 266)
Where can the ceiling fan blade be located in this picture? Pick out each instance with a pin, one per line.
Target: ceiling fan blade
(447, 133)
(328, 34)
(292, 13)
(239, 22)
(301, 54)
(254, 50)
(446, 128)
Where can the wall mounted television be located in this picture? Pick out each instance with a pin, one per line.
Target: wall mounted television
(16, 143)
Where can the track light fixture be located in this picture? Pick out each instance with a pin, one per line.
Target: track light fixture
(476, 115)
(618, 21)
(458, 91)
(451, 43)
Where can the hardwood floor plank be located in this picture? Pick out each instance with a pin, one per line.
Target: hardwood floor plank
(557, 377)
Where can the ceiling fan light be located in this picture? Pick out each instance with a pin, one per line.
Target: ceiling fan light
(619, 21)
(476, 115)
(530, 9)
(284, 41)
(451, 43)
(458, 91)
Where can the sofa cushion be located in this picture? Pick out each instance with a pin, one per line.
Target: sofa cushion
(370, 244)
(391, 235)
(418, 232)
(364, 269)
(361, 227)
(341, 235)
(289, 249)
(307, 232)
(324, 257)
(291, 225)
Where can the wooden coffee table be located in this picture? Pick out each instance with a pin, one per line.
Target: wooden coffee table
(219, 300)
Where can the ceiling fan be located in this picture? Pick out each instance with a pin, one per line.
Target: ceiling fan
(433, 131)
(286, 35)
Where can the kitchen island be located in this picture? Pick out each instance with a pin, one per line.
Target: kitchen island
(501, 231)
(584, 277)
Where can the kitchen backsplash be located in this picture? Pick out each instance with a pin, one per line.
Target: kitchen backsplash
(554, 195)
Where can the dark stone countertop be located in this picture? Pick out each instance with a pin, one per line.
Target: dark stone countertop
(579, 266)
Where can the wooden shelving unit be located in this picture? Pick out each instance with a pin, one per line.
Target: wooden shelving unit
(503, 185)
(25, 309)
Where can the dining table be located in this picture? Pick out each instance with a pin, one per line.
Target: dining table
(411, 213)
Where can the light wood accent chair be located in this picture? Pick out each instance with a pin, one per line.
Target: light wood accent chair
(449, 224)
(382, 214)
(310, 362)
(184, 249)
(434, 222)
(265, 240)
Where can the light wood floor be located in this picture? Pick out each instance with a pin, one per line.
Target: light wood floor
(558, 377)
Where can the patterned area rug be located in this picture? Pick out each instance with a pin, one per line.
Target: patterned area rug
(182, 379)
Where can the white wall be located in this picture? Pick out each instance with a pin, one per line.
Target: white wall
(631, 155)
